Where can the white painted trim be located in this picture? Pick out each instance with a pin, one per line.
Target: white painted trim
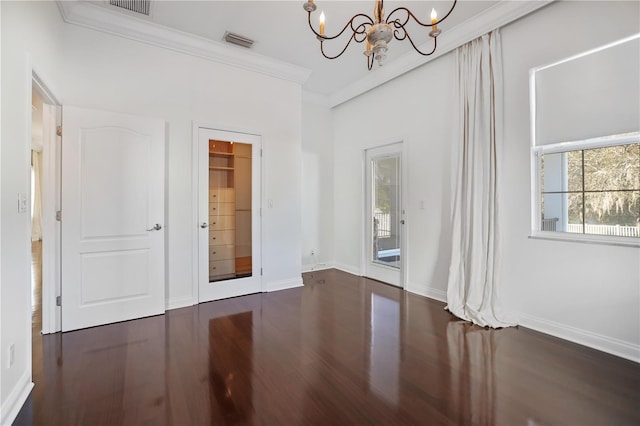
(429, 292)
(600, 342)
(16, 399)
(114, 22)
(180, 302)
(283, 284)
(195, 255)
(496, 16)
(353, 270)
(317, 266)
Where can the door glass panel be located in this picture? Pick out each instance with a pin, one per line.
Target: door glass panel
(229, 210)
(385, 180)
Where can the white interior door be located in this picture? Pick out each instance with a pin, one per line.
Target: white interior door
(229, 199)
(384, 214)
(112, 217)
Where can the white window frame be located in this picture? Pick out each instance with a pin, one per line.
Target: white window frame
(536, 185)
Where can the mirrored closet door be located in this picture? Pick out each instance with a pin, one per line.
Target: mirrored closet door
(229, 203)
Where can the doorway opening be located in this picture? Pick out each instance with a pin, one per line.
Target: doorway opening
(45, 202)
(37, 106)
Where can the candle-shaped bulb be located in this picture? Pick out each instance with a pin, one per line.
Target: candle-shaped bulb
(322, 23)
(434, 19)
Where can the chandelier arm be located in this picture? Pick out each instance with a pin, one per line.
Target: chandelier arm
(448, 13)
(368, 20)
(415, 18)
(339, 54)
(435, 43)
(396, 21)
(369, 62)
(398, 26)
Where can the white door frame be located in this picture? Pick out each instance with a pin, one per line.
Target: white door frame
(51, 260)
(404, 211)
(195, 226)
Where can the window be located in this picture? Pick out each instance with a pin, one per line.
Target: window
(592, 188)
(585, 145)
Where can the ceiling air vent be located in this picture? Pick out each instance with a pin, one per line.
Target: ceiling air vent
(237, 39)
(138, 6)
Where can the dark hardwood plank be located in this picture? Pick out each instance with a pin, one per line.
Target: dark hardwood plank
(340, 350)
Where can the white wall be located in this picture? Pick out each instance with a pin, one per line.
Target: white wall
(96, 70)
(582, 292)
(317, 186)
(30, 34)
(415, 109)
(112, 73)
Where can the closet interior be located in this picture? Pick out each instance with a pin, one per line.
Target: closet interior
(229, 210)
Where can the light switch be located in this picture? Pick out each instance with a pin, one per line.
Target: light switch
(22, 202)
(270, 203)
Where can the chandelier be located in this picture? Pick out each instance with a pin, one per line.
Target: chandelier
(378, 31)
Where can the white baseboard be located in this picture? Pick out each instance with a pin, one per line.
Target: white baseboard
(283, 284)
(583, 337)
(16, 399)
(348, 268)
(180, 302)
(317, 267)
(430, 292)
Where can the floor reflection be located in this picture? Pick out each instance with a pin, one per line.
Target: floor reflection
(231, 368)
(472, 352)
(385, 348)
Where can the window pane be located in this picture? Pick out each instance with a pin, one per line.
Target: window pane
(386, 210)
(612, 168)
(606, 211)
(562, 171)
(562, 212)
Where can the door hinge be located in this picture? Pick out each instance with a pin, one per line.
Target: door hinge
(260, 152)
(58, 300)
(260, 271)
(59, 130)
(58, 215)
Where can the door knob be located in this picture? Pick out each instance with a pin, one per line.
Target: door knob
(204, 225)
(157, 227)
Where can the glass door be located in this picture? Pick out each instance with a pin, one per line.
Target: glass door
(384, 214)
(229, 202)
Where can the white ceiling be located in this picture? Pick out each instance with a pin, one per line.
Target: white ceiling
(280, 30)
(284, 45)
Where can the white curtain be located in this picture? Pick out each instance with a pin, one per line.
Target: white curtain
(36, 197)
(472, 292)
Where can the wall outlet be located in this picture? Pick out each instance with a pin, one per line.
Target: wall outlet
(22, 202)
(313, 252)
(12, 354)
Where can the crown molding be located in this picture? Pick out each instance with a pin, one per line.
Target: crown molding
(495, 17)
(113, 22)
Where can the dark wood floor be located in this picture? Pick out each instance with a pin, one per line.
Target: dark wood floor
(342, 350)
